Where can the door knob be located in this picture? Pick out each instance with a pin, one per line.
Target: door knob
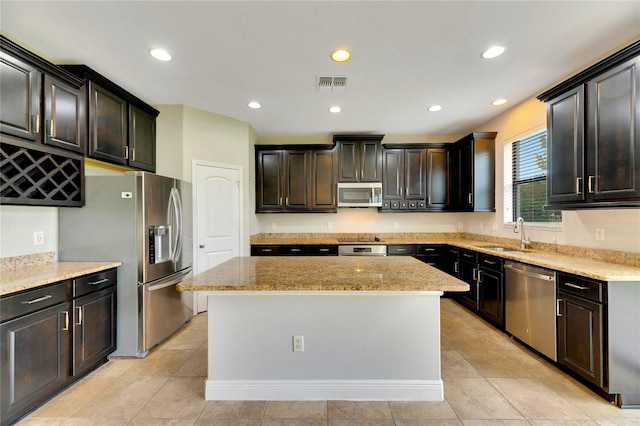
(201, 245)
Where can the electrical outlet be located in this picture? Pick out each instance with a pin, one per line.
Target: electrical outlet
(494, 227)
(460, 225)
(273, 226)
(599, 234)
(396, 225)
(298, 343)
(38, 238)
(330, 226)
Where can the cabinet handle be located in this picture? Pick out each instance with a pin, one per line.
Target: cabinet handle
(295, 249)
(324, 249)
(591, 185)
(579, 287)
(266, 250)
(35, 123)
(470, 198)
(126, 152)
(489, 262)
(428, 249)
(558, 302)
(51, 128)
(133, 154)
(286, 201)
(455, 266)
(79, 316)
(281, 201)
(467, 255)
(401, 249)
(578, 185)
(66, 320)
(102, 281)
(479, 276)
(429, 200)
(39, 299)
(475, 274)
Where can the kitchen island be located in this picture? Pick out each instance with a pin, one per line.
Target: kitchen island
(320, 328)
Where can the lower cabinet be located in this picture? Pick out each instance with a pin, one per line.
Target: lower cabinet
(50, 338)
(295, 250)
(580, 327)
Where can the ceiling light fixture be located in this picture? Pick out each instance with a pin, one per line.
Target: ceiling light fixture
(340, 55)
(499, 102)
(434, 108)
(160, 54)
(254, 105)
(493, 52)
(335, 109)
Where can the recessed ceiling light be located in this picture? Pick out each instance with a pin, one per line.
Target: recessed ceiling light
(499, 102)
(254, 105)
(492, 52)
(434, 108)
(335, 109)
(160, 54)
(340, 55)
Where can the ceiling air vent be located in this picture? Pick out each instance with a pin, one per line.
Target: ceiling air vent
(331, 84)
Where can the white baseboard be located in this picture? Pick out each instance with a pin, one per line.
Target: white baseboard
(319, 390)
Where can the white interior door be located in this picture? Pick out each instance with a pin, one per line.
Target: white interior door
(217, 217)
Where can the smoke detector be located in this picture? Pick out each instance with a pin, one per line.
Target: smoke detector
(331, 84)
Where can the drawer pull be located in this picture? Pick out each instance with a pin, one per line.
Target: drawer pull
(266, 250)
(579, 287)
(490, 262)
(429, 249)
(467, 255)
(401, 249)
(295, 249)
(102, 281)
(39, 299)
(324, 249)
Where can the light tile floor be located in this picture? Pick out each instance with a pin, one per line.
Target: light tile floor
(488, 379)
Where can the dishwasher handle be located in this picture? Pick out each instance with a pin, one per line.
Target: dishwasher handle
(529, 274)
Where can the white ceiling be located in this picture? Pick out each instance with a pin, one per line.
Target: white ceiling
(406, 56)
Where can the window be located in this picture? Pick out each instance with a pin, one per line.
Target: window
(525, 180)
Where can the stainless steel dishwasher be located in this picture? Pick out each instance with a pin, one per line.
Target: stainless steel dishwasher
(530, 307)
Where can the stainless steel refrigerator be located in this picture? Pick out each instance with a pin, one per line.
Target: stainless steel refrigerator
(144, 221)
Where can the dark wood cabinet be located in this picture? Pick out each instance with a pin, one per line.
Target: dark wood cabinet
(468, 267)
(451, 260)
(20, 90)
(593, 122)
(34, 348)
(360, 158)
(121, 127)
(295, 180)
(392, 174)
(404, 178)
(438, 171)
(491, 289)
(581, 331)
(474, 175)
(65, 124)
(294, 250)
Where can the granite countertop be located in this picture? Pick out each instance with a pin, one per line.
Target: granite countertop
(308, 273)
(28, 277)
(573, 260)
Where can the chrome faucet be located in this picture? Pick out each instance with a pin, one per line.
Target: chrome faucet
(524, 242)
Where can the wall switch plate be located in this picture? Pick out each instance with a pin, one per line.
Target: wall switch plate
(298, 343)
(599, 234)
(38, 238)
(126, 194)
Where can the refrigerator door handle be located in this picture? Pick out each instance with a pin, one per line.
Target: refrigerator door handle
(175, 219)
(180, 232)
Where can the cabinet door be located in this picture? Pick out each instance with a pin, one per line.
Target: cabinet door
(392, 174)
(107, 126)
(348, 153)
(19, 98)
(324, 167)
(465, 175)
(613, 106)
(296, 178)
(269, 180)
(565, 175)
(65, 121)
(468, 274)
(34, 359)
(415, 164)
(94, 329)
(491, 296)
(142, 139)
(370, 161)
(580, 337)
(438, 171)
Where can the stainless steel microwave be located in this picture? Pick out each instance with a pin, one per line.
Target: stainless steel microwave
(366, 194)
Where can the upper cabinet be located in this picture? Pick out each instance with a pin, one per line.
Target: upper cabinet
(593, 122)
(360, 158)
(404, 178)
(122, 128)
(40, 101)
(296, 179)
(473, 174)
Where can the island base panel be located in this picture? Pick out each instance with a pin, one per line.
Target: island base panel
(357, 346)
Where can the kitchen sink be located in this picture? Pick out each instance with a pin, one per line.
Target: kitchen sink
(498, 248)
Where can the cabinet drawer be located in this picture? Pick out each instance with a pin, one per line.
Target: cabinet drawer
(469, 256)
(429, 249)
(265, 250)
(33, 300)
(294, 250)
(582, 287)
(401, 249)
(94, 282)
(490, 262)
(324, 250)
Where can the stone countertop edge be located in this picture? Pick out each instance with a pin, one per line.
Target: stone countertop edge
(26, 278)
(586, 267)
(323, 273)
